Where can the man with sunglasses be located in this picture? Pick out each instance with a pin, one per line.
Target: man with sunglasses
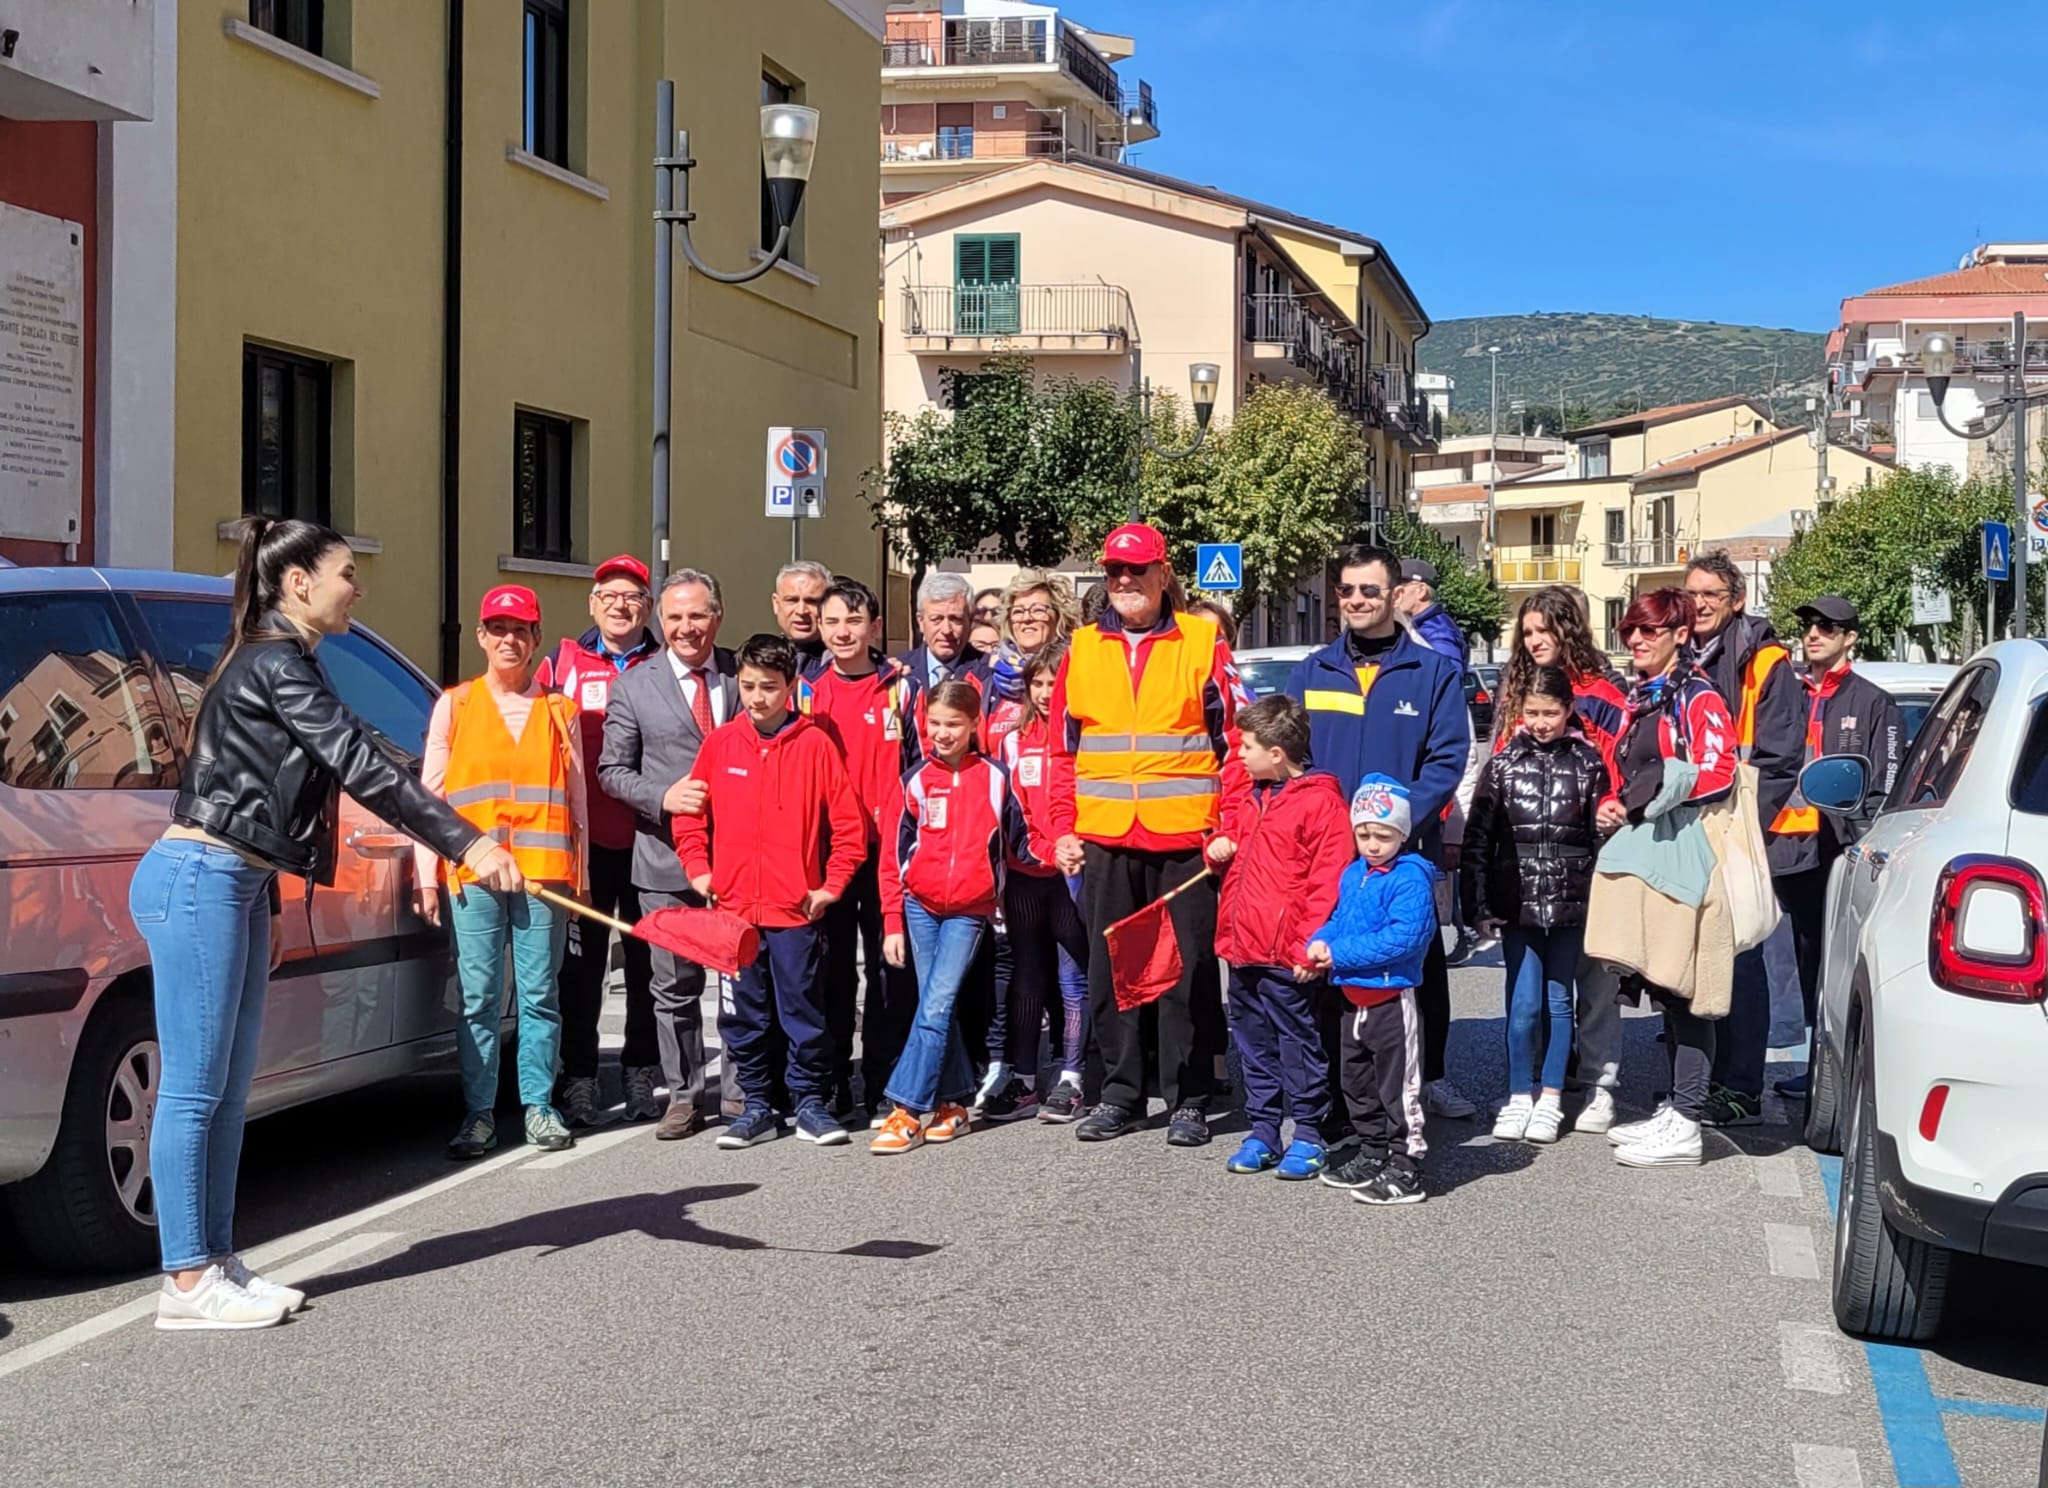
(1845, 714)
(1381, 702)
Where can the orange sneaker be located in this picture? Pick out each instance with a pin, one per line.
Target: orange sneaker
(899, 1133)
(948, 1122)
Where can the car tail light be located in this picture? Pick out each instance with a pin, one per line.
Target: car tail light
(1480, 696)
(1930, 1112)
(1989, 937)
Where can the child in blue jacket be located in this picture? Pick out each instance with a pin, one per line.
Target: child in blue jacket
(1372, 949)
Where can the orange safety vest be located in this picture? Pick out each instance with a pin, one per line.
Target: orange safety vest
(1767, 660)
(1144, 756)
(515, 791)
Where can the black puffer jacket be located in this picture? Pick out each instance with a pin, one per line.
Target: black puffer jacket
(1531, 838)
(272, 749)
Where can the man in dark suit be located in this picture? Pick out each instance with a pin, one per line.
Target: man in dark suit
(655, 722)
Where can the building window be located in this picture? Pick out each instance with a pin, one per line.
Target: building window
(1616, 608)
(299, 22)
(1543, 534)
(777, 90)
(959, 388)
(541, 448)
(956, 131)
(1593, 459)
(1617, 529)
(985, 275)
(547, 80)
(287, 416)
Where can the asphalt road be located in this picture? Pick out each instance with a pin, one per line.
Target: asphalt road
(1020, 1309)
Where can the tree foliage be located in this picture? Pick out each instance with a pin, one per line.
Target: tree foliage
(1466, 590)
(1875, 543)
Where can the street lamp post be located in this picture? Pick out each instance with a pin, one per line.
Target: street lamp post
(1493, 449)
(1937, 365)
(789, 143)
(1202, 380)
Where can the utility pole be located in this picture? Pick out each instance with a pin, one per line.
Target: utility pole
(1492, 457)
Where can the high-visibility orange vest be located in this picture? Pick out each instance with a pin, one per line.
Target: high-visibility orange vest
(1144, 757)
(514, 791)
(1767, 660)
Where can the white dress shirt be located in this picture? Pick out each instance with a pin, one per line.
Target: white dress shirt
(687, 676)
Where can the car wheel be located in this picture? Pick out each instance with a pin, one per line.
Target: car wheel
(93, 1205)
(1824, 1093)
(1886, 1285)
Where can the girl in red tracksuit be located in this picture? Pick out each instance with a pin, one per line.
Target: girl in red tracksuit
(959, 829)
(1048, 941)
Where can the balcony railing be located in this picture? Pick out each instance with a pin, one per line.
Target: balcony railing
(1009, 42)
(1018, 310)
(1087, 68)
(1646, 552)
(1535, 563)
(965, 144)
(1312, 342)
(1138, 109)
(1407, 411)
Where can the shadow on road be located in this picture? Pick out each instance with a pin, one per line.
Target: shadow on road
(1997, 1315)
(658, 1216)
(5, 1326)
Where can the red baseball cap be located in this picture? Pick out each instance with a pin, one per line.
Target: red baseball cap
(1134, 542)
(510, 602)
(624, 563)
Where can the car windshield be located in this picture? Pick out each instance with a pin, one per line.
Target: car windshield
(1264, 678)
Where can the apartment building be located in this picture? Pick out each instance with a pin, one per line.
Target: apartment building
(1481, 457)
(971, 86)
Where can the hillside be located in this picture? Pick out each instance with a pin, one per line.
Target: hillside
(1617, 363)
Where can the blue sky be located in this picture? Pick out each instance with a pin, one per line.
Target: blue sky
(1746, 163)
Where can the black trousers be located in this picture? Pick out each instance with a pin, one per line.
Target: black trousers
(861, 989)
(1433, 1003)
(1117, 882)
(1379, 1065)
(1804, 898)
(1689, 1044)
(587, 959)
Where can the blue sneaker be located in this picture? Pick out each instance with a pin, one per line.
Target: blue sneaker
(1304, 1159)
(816, 1123)
(1253, 1157)
(751, 1127)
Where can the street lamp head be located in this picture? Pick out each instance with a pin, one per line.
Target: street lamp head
(1937, 363)
(789, 143)
(1202, 380)
(1493, 351)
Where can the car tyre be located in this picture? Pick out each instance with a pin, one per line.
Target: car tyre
(1824, 1093)
(70, 1216)
(1887, 1285)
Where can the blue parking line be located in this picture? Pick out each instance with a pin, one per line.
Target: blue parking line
(1950, 1406)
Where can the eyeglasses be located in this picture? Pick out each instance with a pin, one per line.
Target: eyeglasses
(1715, 594)
(1630, 632)
(988, 613)
(1360, 591)
(619, 599)
(1032, 612)
(1125, 570)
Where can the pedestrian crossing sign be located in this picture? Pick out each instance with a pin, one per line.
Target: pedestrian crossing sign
(1997, 552)
(1219, 566)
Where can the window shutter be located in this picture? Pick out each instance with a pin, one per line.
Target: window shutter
(1002, 260)
(970, 260)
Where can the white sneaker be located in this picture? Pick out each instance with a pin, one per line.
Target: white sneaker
(234, 1270)
(215, 1302)
(1631, 1132)
(1597, 1114)
(1442, 1098)
(1675, 1143)
(1513, 1120)
(1545, 1121)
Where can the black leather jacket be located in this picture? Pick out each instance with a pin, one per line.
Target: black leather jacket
(1531, 838)
(272, 750)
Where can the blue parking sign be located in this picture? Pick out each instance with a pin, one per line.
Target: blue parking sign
(1219, 566)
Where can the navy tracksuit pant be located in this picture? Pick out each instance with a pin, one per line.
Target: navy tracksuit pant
(785, 988)
(1286, 1072)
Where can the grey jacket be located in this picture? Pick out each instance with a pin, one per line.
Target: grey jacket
(650, 742)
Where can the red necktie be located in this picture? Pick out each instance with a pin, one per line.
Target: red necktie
(700, 700)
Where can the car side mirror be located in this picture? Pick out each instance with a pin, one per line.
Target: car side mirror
(1836, 782)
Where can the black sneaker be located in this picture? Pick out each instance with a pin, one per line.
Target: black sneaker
(1355, 1171)
(842, 1104)
(1106, 1122)
(1727, 1107)
(1392, 1186)
(1188, 1127)
(1016, 1101)
(1062, 1104)
(1461, 952)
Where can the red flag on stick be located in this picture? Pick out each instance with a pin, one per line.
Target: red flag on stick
(711, 938)
(1144, 953)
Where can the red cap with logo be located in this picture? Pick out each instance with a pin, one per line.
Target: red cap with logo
(510, 602)
(626, 564)
(1134, 542)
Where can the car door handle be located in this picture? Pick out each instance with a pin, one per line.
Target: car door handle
(379, 844)
(1876, 857)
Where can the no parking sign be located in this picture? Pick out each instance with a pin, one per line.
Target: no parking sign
(796, 472)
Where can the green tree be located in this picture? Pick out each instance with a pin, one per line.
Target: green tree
(1466, 591)
(1874, 544)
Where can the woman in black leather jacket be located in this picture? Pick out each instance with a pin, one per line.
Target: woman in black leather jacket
(271, 750)
(1528, 872)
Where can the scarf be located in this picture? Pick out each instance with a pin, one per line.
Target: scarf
(1006, 671)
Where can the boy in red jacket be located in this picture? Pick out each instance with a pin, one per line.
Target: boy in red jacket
(776, 794)
(1287, 847)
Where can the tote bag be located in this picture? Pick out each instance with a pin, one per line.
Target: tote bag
(1744, 863)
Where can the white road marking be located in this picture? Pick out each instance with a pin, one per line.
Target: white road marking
(1779, 1176)
(321, 1262)
(1826, 1467)
(1806, 1354)
(585, 1146)
(265, 1256)
(1790, 1248)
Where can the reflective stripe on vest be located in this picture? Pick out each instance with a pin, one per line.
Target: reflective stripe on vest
(515, 791)
(1144, 758)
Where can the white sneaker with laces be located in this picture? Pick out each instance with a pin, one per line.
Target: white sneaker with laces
(1631, 1132)
(1513, 1121)
(214, 1303)
(236, 1271)
(1675, 1143)
(1442, 1098)
(1545, 1121)
(1597, 1114)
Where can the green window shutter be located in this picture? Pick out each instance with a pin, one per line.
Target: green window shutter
(970, 260)
(1002, 259)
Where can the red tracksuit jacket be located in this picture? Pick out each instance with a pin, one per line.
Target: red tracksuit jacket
(958, 831)
(1035, 767)
(1293, 844)
(865, 717)
(775, 805)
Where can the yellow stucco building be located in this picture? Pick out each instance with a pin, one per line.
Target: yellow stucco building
(415, 290)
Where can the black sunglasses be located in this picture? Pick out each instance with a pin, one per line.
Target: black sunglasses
(1630, 632)
(1824, 625)
(1361, 591)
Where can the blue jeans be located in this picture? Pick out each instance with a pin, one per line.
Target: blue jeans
(1541, 965)
(485, 923)
(935, 1067)
(205, 915)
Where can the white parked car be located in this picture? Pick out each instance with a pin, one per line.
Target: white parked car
(1930, 1068)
